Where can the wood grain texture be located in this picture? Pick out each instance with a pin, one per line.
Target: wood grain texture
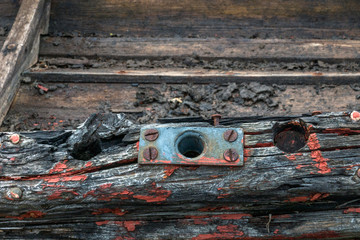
(20, 50)
(204, 18)
(176, 76)
(286, 50)
(312, 193)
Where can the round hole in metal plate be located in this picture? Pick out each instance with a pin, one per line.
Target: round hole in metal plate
(191, 144)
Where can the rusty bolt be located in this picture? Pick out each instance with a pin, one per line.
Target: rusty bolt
(15, 138)
(11, 46)
(14, 193)
(231, 155)
(230, 135)
(150, 153)
(216, 119)
(151, 134)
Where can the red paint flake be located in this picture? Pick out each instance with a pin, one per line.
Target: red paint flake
(59, 167)
(12, 159)
(138, 146)
(281, 216)
(313, 197)
(130, 225)
(42, 88)
(58, 194)
(316, 154)
(159, 194)
(298, 199)
(92, 193)
(247, 153)
(102, 223)
(88, 164)
(227, 228)
(341, 131)
(61, 178)
(352, 210)
(355, 116)
(105, 186)
(233, 216)
(291, 157)
(30, 214)
(223, 195)
(116, 211)
(169, 170)
(276, 231)
(301, 166)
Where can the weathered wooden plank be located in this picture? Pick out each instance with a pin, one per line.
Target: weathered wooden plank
(21, 47)
(254, 49)
(226, 18)
(107, 193)
(178, 76)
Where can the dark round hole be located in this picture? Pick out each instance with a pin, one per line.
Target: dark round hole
(191, 145)
(290, 137)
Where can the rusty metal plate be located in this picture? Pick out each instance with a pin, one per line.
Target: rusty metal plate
(191, 146)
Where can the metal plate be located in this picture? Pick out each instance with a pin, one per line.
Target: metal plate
(191, 146)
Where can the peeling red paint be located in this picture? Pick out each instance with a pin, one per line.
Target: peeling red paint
(88, 164)
(30, 214)
(130, 225)
(12, 159)
(116, 211)
(226, 232)
(313, 197)
(159, 194)
(276, 231)
(102, 223)
(291, 157)
(247, 153)
(138, 146)
(352, 210)
(105, 186)
(169, 170)
(59, 194)
(316, 155)
(59, 167)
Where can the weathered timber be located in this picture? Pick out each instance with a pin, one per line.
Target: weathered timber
(253, 49)
(311, 193)
(201, 76)
(20, 50)
(208, 18)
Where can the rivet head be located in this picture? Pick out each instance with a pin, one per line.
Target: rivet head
(355, 116)
(14, 193)
(11, 46)
(230, 135)
(231, 155)
(151, 134)
(150, 153)
(15, 138)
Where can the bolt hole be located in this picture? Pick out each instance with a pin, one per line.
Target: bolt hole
(88, 150)
(290, 137)
(191, 145)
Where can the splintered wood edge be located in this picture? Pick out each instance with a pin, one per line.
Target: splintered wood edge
(21, 47)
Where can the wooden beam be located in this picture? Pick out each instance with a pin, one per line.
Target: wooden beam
(310, 193)
(21, 47)
(209, 18)
(194, 76)
(255, 49)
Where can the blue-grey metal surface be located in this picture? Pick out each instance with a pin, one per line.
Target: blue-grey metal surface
(180, 145)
